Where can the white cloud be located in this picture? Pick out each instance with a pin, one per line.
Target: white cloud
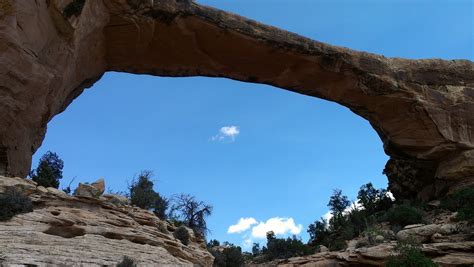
(247, 244)
(227, 132)
(243, 225)
(279, 226)
(328, 215)
(253, 231)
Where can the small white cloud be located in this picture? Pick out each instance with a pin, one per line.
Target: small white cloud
(243, 225)
(227, 132)
(280, 226)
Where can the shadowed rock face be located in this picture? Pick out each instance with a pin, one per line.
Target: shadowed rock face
(50, 51)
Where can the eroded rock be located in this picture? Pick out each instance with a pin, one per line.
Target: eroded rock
(49, 53)
(65, 230)
(94, 190)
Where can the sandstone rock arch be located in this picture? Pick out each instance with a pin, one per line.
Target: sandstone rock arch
(51, 50)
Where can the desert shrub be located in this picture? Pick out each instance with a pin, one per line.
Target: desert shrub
(408, 254)
(403, 215)
(256, 250)
(281, 248)
(49, 170)
(462, 202)
(338, 202)
(182, 234)
(160, 206)
(233, 256)
(219, 258)
(227, 256)
(213, 243)
(370, 234)
(144, 196)
(346, 223)
(13, 202)
(318, 232)
(373, 200)
(127, 262)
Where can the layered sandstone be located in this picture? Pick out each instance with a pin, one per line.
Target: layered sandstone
(65, 230)
(50, 51)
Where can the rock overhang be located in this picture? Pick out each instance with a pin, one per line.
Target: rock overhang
(421, 109)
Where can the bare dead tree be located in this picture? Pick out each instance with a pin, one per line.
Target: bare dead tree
(191, 212)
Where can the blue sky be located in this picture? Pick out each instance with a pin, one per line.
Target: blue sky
(281, 153)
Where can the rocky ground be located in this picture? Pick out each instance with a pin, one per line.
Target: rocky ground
(446, 241)
(69, 230)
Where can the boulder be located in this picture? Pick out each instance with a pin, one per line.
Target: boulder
(379, 239)
(99, 185)
(421, 233)
(449, 229)
(56, 192)
(322, 248)
(87, 190)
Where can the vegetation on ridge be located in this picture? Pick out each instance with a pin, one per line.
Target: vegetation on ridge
(127, 262)
(144, 196)
(13, 202)
(462, 202)
(408, 254)
(348, 220)
(49, 170)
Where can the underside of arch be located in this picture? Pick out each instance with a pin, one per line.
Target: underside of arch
(51, 50)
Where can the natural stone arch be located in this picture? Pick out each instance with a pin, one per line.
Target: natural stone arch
(50, 50)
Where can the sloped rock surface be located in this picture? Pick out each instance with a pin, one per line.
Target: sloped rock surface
(447, 241)
(443, 254)
(51, 50)
(77, 231)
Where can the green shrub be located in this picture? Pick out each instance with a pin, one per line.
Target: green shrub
(182, 234)
(213, 243)
(462, 202)
(13, 202)
(281, 248)
(127, 262)
(409, 255)
(144, 196)
(233, 256)
(373, 200)
(49, 170)
(404, 215)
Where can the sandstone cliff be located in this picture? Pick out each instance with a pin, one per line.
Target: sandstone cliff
(79, 231)
(51, 50)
